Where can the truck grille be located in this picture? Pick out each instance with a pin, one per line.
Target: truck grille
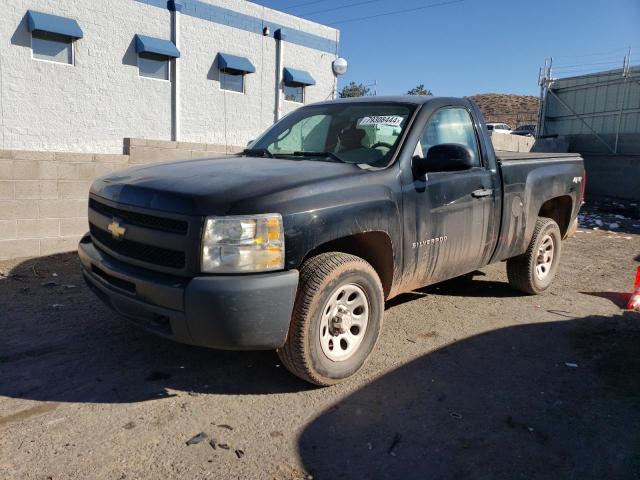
(139, 251)
(141, 219)
(157, 240)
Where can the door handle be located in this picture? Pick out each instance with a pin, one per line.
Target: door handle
(482, 192)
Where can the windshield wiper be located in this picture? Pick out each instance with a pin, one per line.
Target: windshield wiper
(330, 155)
(259, 152)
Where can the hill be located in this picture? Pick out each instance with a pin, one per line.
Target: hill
(512, 109)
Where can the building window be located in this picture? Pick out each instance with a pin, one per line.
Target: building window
(152, 65)
(232, 81)
(52, 36)
(295, 82)
(294, 93)
(154, 55)
(52, 47)
(232, 71)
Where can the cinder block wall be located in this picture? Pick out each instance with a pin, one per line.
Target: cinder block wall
(43, 195)
(43, 199)
(151, 151)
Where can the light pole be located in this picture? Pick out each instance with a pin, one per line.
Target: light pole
(339, 67)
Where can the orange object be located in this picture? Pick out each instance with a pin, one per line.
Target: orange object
(634, 301)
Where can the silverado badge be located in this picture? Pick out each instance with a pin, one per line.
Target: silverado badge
(117, 231)
(431, 241)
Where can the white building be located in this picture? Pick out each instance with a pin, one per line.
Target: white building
(82, 75)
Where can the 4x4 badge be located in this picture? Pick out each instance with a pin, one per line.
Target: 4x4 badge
(117, 230)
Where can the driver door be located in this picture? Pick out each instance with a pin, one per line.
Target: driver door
(454, 210)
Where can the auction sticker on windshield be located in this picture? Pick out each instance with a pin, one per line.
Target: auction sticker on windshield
(391, 120)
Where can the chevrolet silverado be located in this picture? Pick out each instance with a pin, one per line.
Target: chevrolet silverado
(295, 244)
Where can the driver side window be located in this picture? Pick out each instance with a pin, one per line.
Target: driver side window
(450, 125)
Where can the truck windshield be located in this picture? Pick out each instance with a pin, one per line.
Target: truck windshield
(362, 133)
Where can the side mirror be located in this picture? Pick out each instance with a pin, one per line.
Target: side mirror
(446, 157)
(250, 142)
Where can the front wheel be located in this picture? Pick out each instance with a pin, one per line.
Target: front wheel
(533, 271)
(336, 319)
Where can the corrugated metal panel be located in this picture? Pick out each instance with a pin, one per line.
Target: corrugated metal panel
(600, 103)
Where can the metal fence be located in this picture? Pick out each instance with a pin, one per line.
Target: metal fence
(599, 112)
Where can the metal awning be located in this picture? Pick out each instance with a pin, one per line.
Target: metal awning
(44, 22)
(297, 77)
(158, 46)
(235, 63)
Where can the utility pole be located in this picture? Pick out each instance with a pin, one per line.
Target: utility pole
(375, 87)
(625, 74)
(544, 77)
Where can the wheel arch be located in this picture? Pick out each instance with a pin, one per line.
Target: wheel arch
(558, 209)
(375, 247)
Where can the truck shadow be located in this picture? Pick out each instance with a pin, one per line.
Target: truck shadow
(60, 343)
(545, 400)
(463, 286)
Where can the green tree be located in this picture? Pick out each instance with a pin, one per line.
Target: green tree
(420, 90)
(354, 90)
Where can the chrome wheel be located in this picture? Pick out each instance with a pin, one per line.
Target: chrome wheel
(344, 322)
(544, 260)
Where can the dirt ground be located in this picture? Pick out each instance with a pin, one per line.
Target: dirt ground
(470, 379)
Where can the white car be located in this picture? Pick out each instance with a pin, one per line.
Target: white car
(499, 127)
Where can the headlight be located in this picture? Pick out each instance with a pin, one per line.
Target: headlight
(247, 243)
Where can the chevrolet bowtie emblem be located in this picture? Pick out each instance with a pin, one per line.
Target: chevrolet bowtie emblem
(117, 231)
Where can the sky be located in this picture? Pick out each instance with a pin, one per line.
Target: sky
(475, 46)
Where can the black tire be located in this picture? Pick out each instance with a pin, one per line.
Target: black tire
(521, 270)
(320, 278)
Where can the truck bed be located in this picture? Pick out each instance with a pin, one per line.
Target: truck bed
(529, 180)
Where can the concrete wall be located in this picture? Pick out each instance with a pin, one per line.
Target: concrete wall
(511, 143)
(516, 143)
(143, 151)
(615, 176)
(43, 195)
(92, 105)
(43, 199)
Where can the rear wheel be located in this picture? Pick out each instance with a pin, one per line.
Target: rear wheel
(336, 318)
(533, 271)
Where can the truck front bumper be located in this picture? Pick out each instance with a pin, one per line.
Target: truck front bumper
(231, 312)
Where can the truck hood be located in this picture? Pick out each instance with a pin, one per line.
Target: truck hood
(211, 186)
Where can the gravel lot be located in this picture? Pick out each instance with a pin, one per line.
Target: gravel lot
(470, 379)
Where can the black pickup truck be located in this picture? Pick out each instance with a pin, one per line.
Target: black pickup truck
(296, 243)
